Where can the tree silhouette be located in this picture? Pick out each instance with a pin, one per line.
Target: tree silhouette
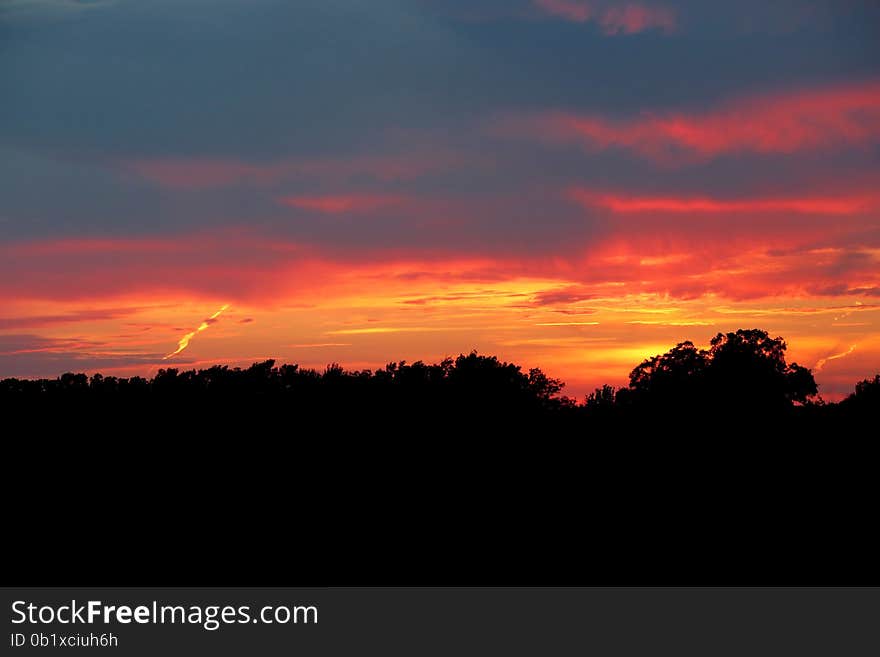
(748, 370)
(743, 375)
(672, 379)
(864, 403)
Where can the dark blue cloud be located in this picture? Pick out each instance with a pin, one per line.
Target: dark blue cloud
(267, 81)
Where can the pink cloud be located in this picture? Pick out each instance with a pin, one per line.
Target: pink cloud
(615, 18)
(626, 203)
(808, 120)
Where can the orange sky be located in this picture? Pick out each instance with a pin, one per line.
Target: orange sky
(575, 185)
(588, 321)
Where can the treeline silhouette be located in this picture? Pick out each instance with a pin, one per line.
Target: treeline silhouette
(742, 377)
(716, 466)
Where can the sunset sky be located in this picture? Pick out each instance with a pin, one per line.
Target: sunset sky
(569, 184)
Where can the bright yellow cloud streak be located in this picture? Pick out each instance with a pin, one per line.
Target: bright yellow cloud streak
(183, 343)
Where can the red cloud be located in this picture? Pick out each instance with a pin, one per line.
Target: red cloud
(227, 264)
(341, 203)
(621, 203)
(631, 285)
(626, 18)
(683, 259)
(829, 118)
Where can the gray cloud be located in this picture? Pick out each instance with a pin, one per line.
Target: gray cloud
(28, 356)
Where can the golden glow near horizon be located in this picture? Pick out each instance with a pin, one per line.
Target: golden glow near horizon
(587, 335)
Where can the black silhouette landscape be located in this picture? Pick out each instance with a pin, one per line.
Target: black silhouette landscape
(742, 378)
(355, 183)
(713, 466)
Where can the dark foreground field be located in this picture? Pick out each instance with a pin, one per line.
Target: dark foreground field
(718, 467)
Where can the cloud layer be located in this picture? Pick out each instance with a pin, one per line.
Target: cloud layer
(826, 118)
(571, 184)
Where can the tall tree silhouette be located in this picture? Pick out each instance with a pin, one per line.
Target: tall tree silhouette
(747, 369)
(743, 372)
